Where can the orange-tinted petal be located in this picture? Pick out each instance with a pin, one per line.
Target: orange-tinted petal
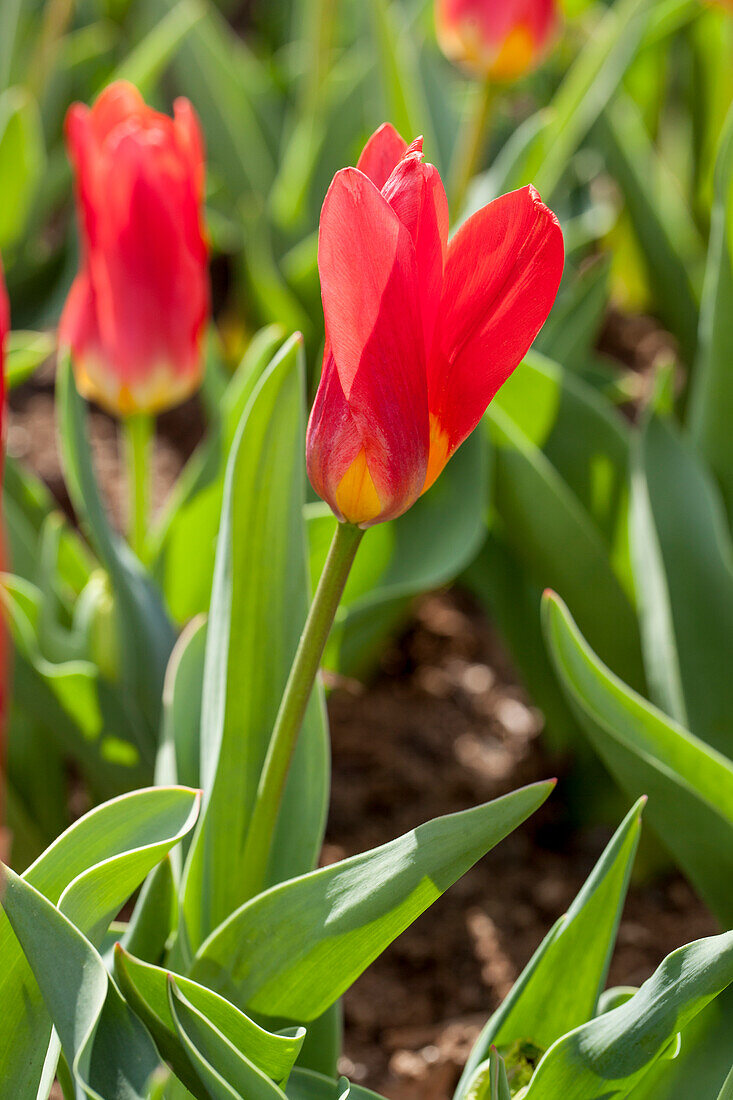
(501, 278)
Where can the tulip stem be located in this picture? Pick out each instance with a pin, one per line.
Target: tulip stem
(293, 706)
(470, 144)
(139, 433)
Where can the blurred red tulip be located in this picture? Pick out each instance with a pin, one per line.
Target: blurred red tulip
(136, 313)
(420, 333)
(497, 39)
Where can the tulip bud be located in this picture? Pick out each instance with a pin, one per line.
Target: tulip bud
(499, 40)
(136, 312)
(420, 332)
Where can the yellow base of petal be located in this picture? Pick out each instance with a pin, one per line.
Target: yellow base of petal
(162, 388)
(516, 56)
(439, 454)
(356, 496)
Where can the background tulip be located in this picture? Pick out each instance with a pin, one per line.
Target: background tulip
(420, 333)
(497, 39)
(135, 316)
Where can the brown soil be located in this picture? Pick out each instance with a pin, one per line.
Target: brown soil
(444, 725)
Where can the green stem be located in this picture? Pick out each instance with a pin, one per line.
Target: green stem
(139, 430)
(293, 705)
(470, 145)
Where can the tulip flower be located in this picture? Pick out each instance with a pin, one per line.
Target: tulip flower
(420, 332)
(136, 312)
(499, 40)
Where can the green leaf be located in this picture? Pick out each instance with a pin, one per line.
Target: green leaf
(111, 1054)
(690, 785)
(570, 332)
(489, 1080)
(89, 872)
(670, 244)
(560, 463)
(560, 986)
(292, 951)
(610, 1054)
(589, 84)
(259, 604)
(179, 755)
(726, 1093)
(684, 577)
(711, 396)
(146, 634)
(407, 106)
(146, 988)
(190, 519)
(144, 64)
(22, 160)
(214, 66)
(304, 1084)
(25, 351)
(222, 1068)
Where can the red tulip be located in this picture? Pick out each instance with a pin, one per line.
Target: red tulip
(420, 333)
(497, 39)
(136, 313)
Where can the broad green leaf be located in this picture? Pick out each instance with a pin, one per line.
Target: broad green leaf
(89, 872)
(700, 1065)
(27, 504)
(292, 951)
(96, 727)
(542, 510)
(684, 577)
(111, 1054)
(560, 986)
(24, 352)
(711, 396)
(146, 634)
(155, 915)
(146, 988)
(223, 1069)
(259, 605)
(179, 755)
(726, 1093)
(22, 160)
(609, 1055)
(190, 520)
(689, 784)
(670, 244)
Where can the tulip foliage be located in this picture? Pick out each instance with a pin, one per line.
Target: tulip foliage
(180, 938)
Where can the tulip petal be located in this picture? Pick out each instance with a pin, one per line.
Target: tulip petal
(190, 140)
(415, 192)
(501, 277)
(119, 102)
(371, 305)
(381, 154)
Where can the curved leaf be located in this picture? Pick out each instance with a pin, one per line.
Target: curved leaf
(690, 785)
(292, 951)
